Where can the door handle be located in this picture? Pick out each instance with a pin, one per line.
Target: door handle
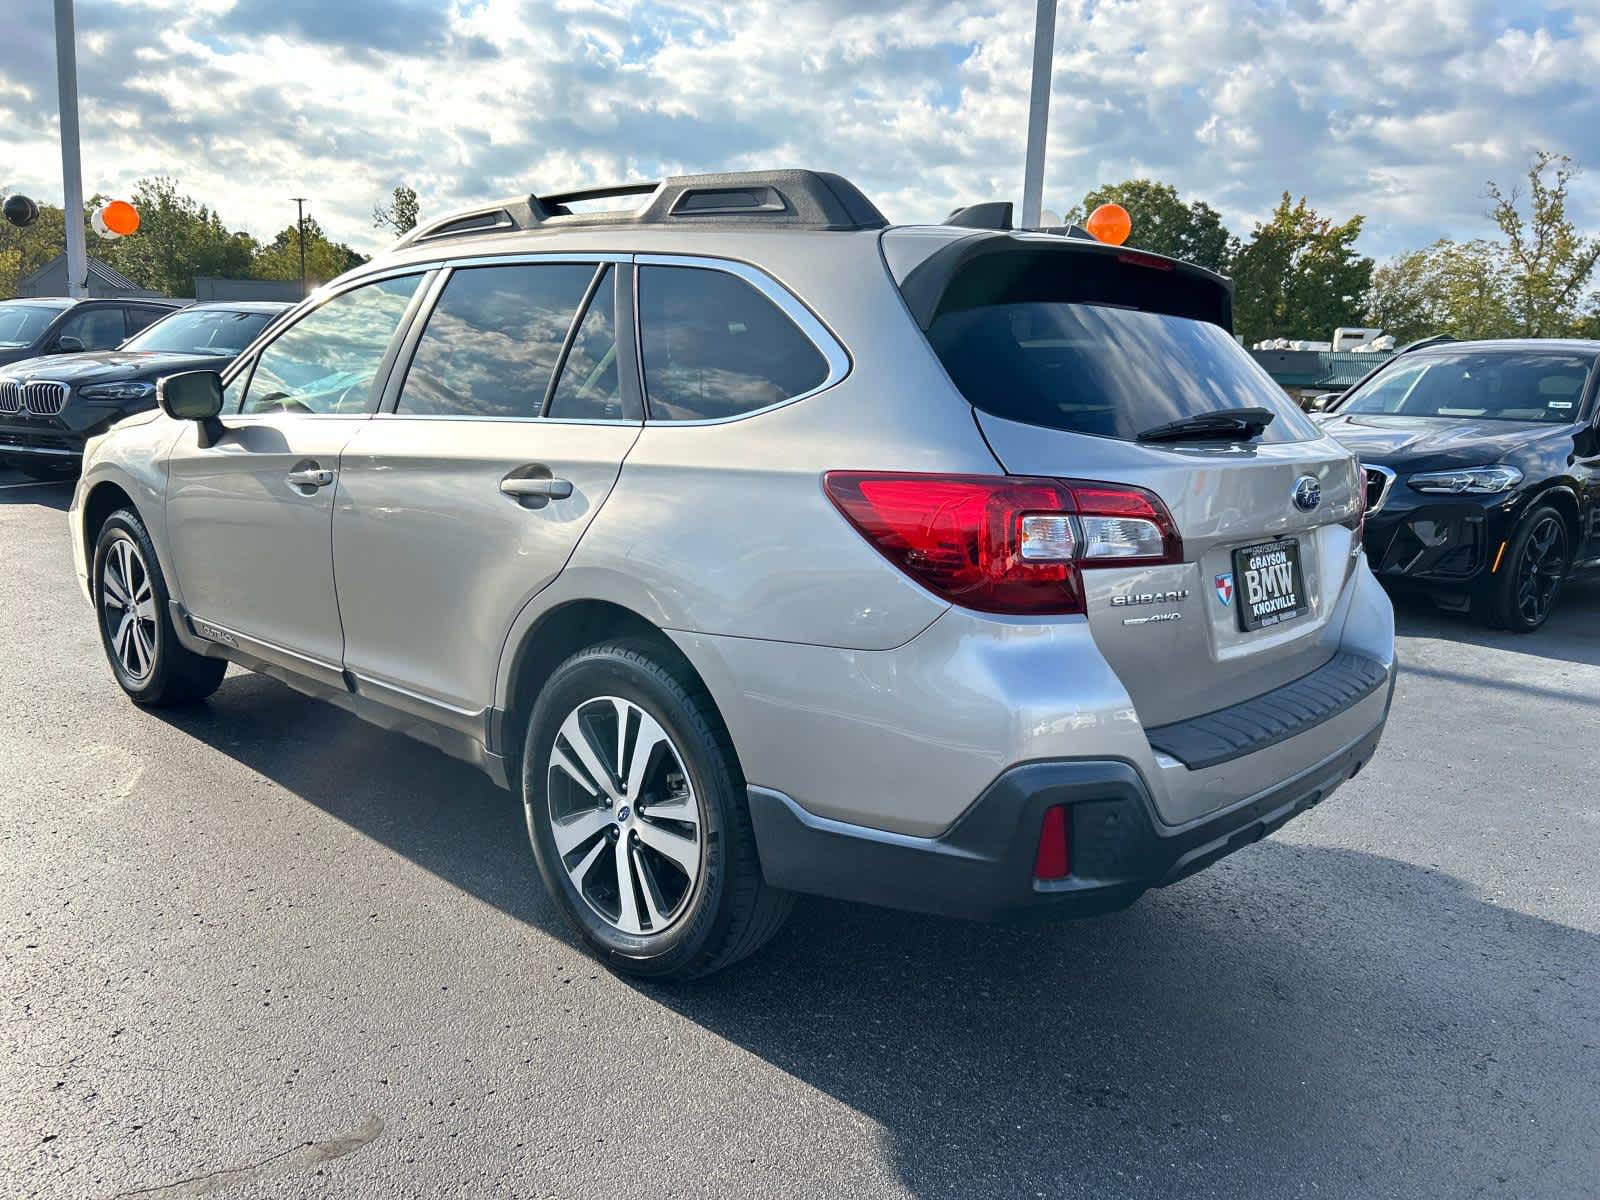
(539, 488)
(312, 477)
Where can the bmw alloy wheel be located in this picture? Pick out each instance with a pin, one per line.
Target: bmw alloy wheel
(1543, 567)
(623, 816)
(128, 608)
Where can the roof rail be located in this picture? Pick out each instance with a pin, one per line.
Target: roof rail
(817, 200)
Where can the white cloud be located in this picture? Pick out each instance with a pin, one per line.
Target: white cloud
(1399, 109)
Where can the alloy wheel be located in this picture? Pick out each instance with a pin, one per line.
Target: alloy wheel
(623, 815)
(1543, 566)
(128, 609)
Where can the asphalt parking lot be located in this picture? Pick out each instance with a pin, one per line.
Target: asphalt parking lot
(258, 949)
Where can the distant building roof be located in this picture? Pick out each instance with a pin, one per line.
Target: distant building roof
(107, 277)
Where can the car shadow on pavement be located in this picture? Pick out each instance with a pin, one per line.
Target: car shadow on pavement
(1572, 634)
(18, 489)
(1299, 1019)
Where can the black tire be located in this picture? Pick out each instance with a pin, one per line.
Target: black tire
(728, 911)
(1523, 593)
(175, 674)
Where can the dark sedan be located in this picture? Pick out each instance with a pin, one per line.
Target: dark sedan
(1483, 470)
(50, 406)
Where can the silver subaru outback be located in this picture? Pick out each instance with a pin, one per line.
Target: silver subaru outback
(766, 548)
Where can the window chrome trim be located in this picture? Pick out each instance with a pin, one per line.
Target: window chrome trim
(527, 259)
(400, 416)
(810, 325)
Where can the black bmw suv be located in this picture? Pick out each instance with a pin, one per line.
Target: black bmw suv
(52, 404)
(1483, 472)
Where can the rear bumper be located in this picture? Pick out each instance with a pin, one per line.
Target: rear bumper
(982, 866)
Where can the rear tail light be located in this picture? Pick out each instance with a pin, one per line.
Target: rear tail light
(1005, 544)
(1357, 521)
(1053, 859)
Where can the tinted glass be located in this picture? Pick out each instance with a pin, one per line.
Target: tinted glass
(716, 347)
(1110, 372)
(492, 342)
(326, 362)
(21, 324)
(140, 316)
(1503, 385)
(96, 328)
(205, 331)
(589, 387)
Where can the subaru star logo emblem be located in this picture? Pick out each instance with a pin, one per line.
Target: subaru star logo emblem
(1307, 493)
(622, 813)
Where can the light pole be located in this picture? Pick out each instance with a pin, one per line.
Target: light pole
(1044, 47)
(300, 230)
(71, 168)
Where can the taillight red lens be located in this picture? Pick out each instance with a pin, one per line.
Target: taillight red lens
(997, 543)
(1053, 859)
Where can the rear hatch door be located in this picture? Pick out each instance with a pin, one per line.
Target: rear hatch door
(1068, 352)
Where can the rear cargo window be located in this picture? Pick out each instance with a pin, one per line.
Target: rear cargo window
(715, 347)
(1102, 370)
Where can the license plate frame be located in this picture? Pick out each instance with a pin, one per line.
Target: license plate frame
(1248, 564)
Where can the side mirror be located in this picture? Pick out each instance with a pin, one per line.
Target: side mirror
(67, 344)
(1325, 401)
(193, 396)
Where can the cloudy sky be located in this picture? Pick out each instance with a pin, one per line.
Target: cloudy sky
(1399, 109)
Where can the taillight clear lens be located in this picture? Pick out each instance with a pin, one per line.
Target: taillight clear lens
(1004, 544)
(1121, 538)
(1048, 537)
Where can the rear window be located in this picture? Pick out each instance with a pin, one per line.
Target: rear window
(1495, 385)
(715, 347)
(1101, 370)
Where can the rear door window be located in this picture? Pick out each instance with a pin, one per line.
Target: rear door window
(1103, 370)
(492, 343)
(715, 347)
(590, 387)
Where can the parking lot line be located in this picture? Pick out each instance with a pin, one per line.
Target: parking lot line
(35, 483)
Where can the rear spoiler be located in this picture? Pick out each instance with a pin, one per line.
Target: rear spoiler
(1007, 268)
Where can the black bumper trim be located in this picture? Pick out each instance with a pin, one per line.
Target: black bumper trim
(982, 866)
(1272, 717)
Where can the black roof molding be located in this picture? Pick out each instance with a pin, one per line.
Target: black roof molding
(815, 200)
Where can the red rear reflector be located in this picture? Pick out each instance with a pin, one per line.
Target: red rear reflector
(979, 540)
(1054, 857)
(1134, 259)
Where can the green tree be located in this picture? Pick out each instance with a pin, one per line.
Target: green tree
(1549, 263)
(1299, 275)
(178, 238)
(1163, 223)
(24, 251)
(1458, 288)
(280, 258)
(399, 214)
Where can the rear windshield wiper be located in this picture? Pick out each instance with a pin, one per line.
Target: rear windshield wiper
(1229, 424)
